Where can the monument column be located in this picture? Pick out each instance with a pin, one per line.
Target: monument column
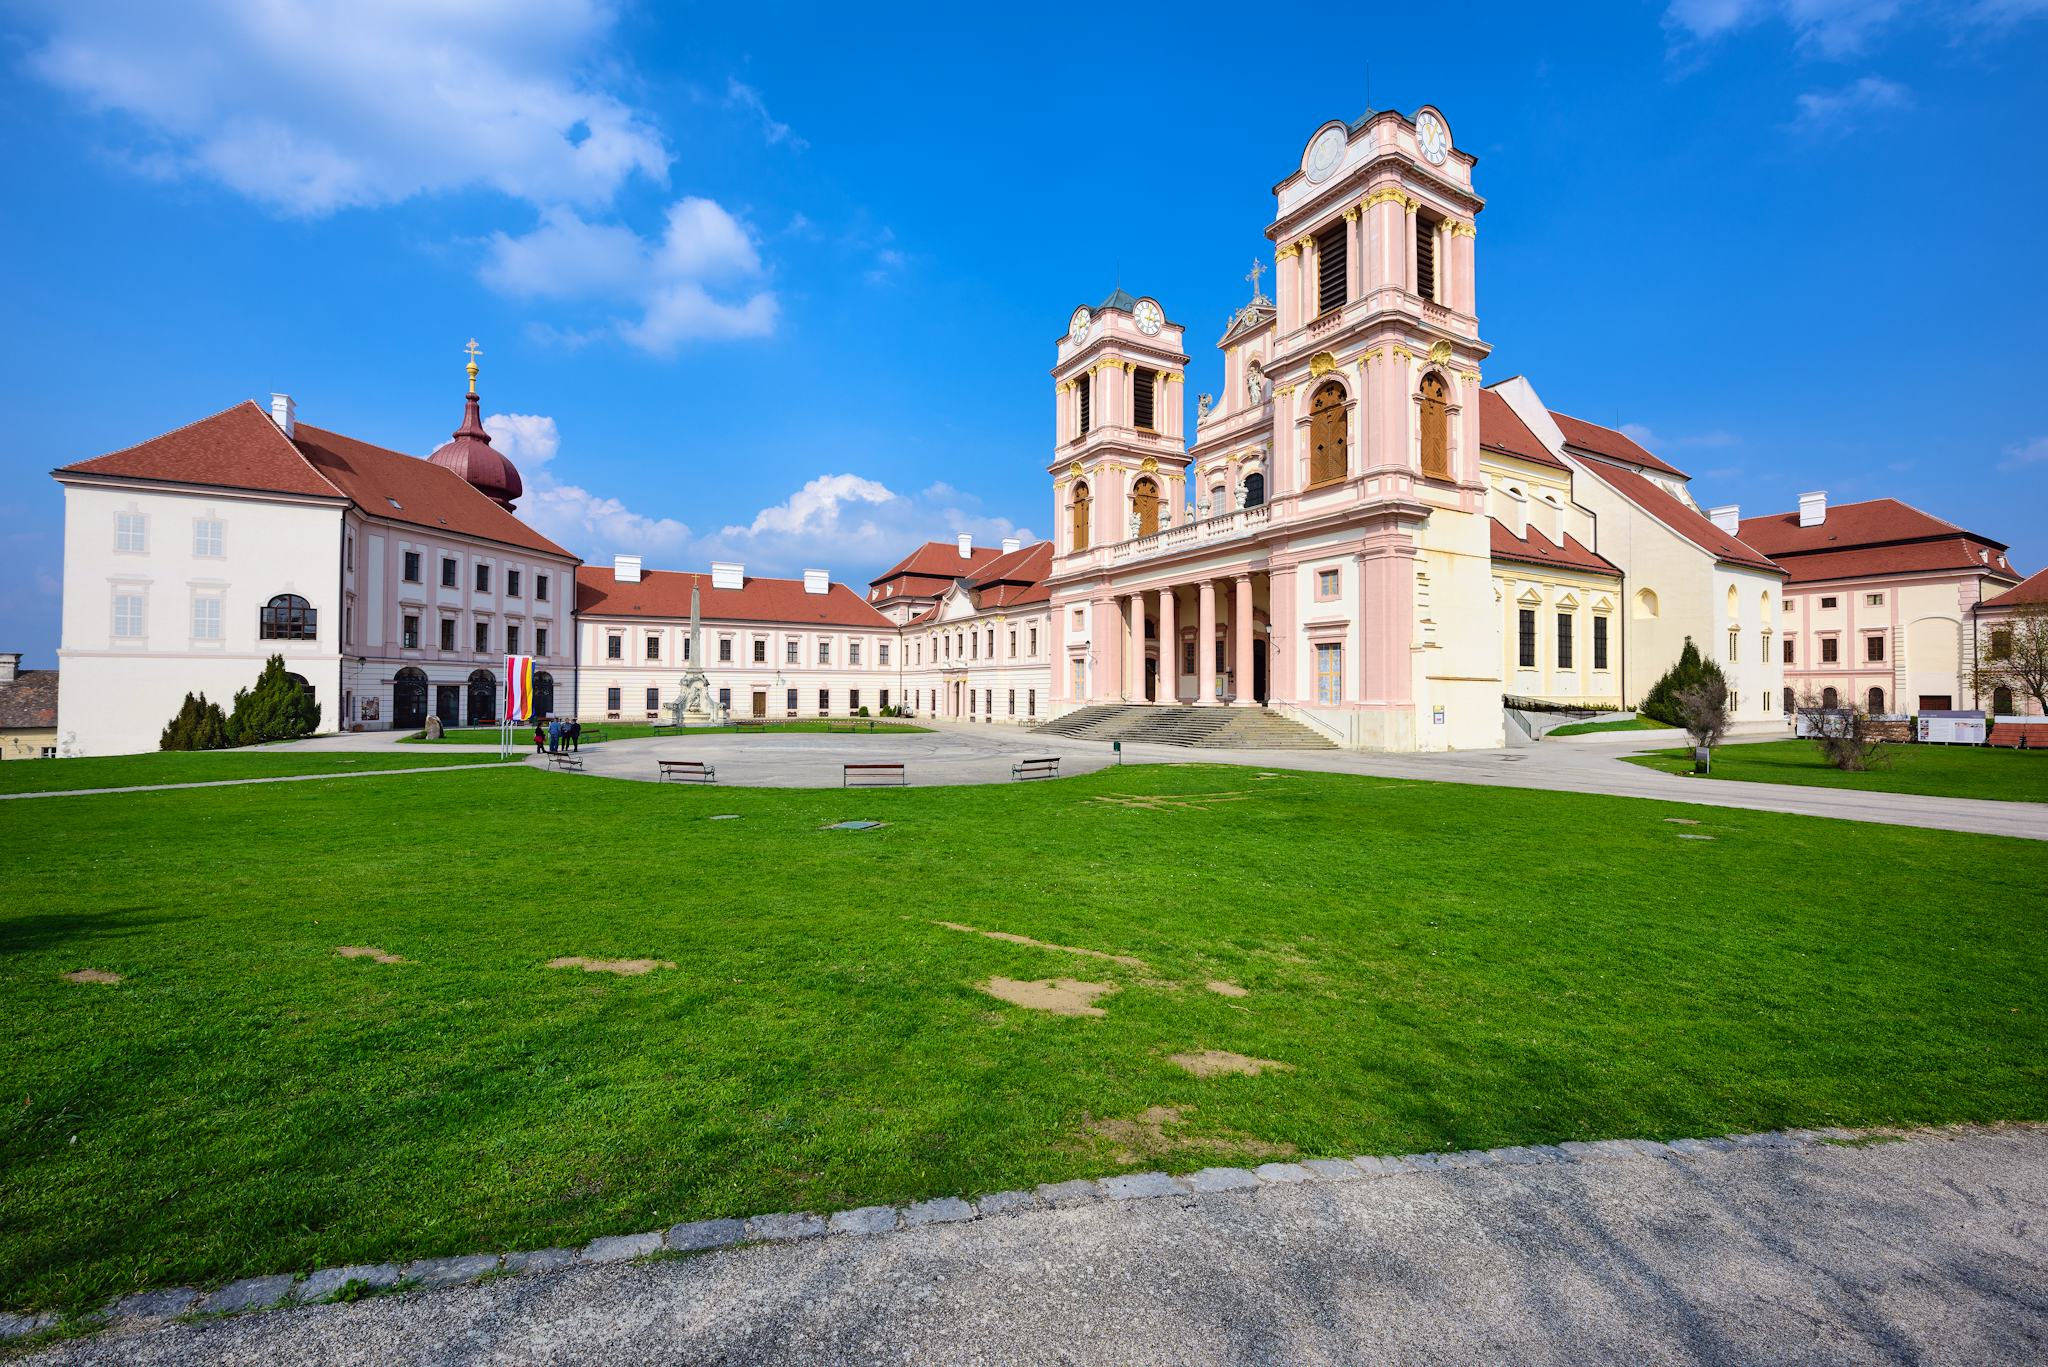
(1241, 628)
(1205, 642)
(1169, 649)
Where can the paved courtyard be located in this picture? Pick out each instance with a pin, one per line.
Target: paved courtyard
(1928, 1249)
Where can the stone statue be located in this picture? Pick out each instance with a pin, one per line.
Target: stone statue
(1131, 526)
(1203, 403)
(693, 698)
(1255, 390)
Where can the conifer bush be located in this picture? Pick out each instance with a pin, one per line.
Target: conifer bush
(275, 709)
(199, 725)
(1692, 671)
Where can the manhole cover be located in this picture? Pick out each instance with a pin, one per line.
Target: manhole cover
(853, 825)
(726, 816)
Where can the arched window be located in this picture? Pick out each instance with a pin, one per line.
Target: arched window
(483, 697)
(1830, 698)
(1734, 604)
(409, 699)
(1081, 517)
(1145, 504)
(304, 688)
(543, 693)
(2001, 701)
(1790, 702)
(1254, 490)
(1874, 703)
(1436, 427)
(1645, 603)
(1329, 455)
(288, 617)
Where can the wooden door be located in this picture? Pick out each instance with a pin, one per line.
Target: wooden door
(760, 703)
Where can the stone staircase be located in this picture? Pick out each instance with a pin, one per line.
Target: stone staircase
(1201, 728)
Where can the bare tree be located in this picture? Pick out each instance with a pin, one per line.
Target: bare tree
(2014, 655)
(1704, 708)
(1844, 738)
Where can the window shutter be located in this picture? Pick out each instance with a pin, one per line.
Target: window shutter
(1087, 384)
(1144, 385)
(1425, 256)
(1333, 247)
(1436, 452)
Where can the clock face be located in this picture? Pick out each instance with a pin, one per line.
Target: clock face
(1433, 138)
(1323, 155)
(1077, 328)
(1150, 319)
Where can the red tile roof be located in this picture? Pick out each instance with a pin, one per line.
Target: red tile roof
(1876, 536)
(1605, 441)
(1502, 429)
(1680, 517)
(2033, 589)
(1951, 553)
(1538, 549)
(238, 448)
(30, 702)
(427, 495)
(666, 593)
(241, 448)
(930, 568)
(1012, 580)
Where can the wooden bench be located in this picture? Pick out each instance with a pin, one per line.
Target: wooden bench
(685, 771)
(851, 724)
(873, 776)
(1049, 767)
(749, 723)
(566, 760)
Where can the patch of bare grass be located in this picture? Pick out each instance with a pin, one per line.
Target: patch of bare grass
(369, 952)
(625, 968)
(1060, 996)
(1162, 1131)
(1214, 1062)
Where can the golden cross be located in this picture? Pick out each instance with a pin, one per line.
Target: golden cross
(1258, 269)
(474, 351)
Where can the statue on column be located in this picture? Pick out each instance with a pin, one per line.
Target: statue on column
(693, 700)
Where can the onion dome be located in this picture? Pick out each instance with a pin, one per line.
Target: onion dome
(470, 455)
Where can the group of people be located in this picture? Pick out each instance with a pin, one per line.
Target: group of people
(552, 735)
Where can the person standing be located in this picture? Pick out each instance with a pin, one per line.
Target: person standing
(576, 735)
(540, 736)
(554, 735)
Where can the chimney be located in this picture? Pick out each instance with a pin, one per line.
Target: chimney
(10, 665)
(966, 546)
(626, 568)
(1813, 508)
(1010, 545)
(1728, 517)
(728, 574)
(817, 581)
(285, 414)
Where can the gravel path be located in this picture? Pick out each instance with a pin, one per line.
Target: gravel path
(1932, 1249)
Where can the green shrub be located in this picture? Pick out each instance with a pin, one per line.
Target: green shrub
(199, 725)
(1691, 671)
(275, 709)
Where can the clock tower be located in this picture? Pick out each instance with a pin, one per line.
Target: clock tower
(1119, 464)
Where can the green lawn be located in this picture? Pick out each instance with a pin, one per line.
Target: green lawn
(596, 733)
(1441, 965)
(174, 766)
(1587, 728)
(1929, 770)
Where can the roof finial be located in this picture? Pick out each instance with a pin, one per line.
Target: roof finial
(1258, 269)
(474, 351)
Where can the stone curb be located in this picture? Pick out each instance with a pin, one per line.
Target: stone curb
(144, 1308)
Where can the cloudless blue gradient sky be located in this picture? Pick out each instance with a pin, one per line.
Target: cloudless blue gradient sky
(783, 283)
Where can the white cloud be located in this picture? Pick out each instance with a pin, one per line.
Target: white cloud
(2025, 453)
(1837, 113)
(739, 95)
(322, 105)
(1831, 28)
(1640, 435)
(853, 525)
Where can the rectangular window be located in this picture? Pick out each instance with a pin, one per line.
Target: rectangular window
(1765, 653)
(1329, 673)
(853, 653)
(511, 639)
(654, 647)
(853, 700)
(882, 657)
(615, 647)
(988, 702)
(131, 532)
(1526, 652)
(447, 633)
(991, 643)
(1033, 640)
(540, 640)
(483, 578)
(789, 651)
(206, 619)
(511, 583)
(1144, 385)
(1425, 256)
(540, 587)
(1827, 650)
(128, 616)
(412, 567)
(1013, 643)
(1873, 600)
(1734, 640)
(1187, 657)
(974, 645)
(1599, 643)
(1333, 246)
(483, 638)
(885, 700)
(349, 553)
(611, 701)
(410, 639)
(1564, 640)
(760, 650)
(208, 540)
(1827, 602)
(1326, 585)
(789, 703)
(653, 701)
(1873, 649)
(1788, 650)
(725, 650)
(824, 652)
(1082, 386)
(348, 624)
(824, 702)
(448, 568)
(725, 701)
(1013, 702)
(1079, 682)
(1030, 702)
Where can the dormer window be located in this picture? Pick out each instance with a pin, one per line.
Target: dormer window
(1333, 245)
(1425, 255)
(1145, 382)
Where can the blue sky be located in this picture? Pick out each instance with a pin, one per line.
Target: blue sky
(789, 291)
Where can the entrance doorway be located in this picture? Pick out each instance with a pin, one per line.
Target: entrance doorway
(760, 702)
(409, 699)
(1152, 680)
(1259, 671)
(448, 704)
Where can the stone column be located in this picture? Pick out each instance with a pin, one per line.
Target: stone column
(1241, 628)
(1105, 636)
(1134, 661)
(1169, 649)
(1056, 643)
(1205, 643)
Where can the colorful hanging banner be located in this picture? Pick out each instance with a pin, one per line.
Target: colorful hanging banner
(518, 687)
